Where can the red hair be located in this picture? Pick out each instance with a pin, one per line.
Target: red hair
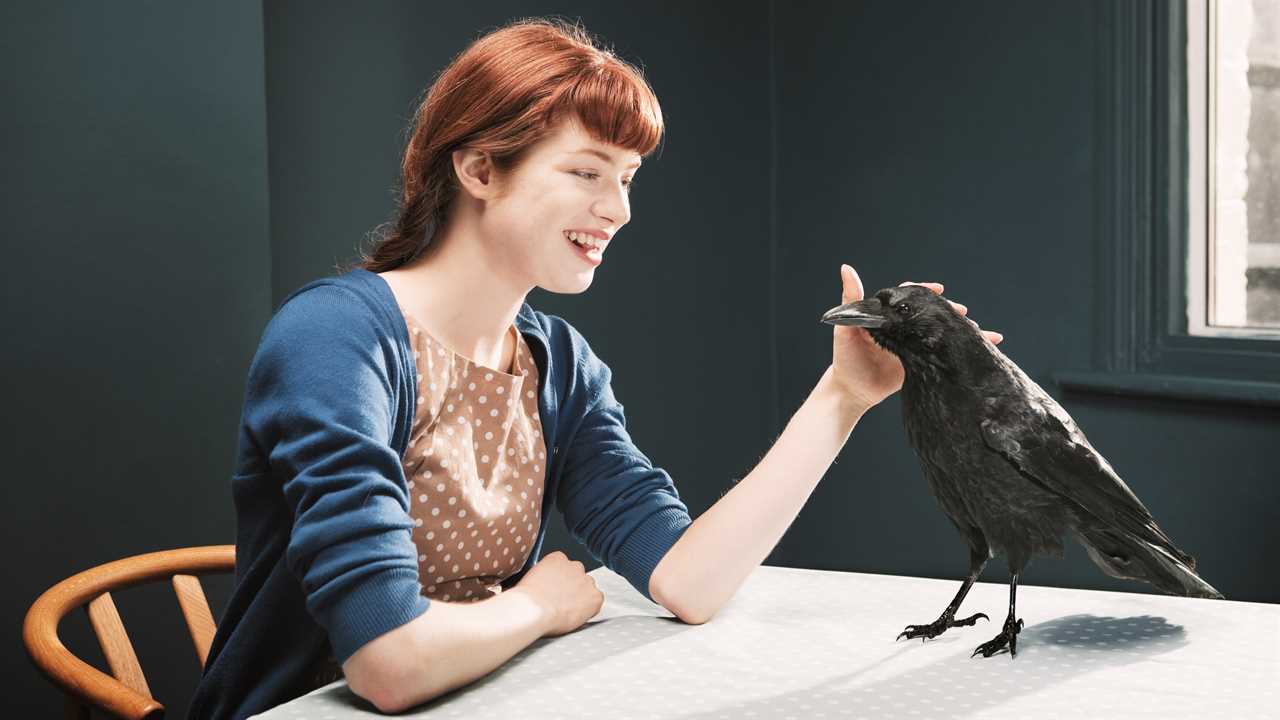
(504, 93)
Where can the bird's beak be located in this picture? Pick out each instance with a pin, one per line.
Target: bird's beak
(861, 313)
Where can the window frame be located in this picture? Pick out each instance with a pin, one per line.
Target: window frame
(1141, 164)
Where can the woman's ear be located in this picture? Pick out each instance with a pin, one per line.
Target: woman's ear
(475, 172)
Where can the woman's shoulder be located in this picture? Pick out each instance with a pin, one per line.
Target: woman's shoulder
(352, 291)
(334, 325)
(349, 303)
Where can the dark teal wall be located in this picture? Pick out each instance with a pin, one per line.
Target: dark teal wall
(137, 283)
(149, 244)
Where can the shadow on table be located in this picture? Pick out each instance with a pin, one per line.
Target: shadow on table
(958, 686)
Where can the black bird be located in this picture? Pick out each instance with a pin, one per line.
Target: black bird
(1006, 463)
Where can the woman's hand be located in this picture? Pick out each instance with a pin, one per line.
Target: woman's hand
(866, 371)
(567, 594)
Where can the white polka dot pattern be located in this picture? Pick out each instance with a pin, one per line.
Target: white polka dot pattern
(475, 467)
(819, 644)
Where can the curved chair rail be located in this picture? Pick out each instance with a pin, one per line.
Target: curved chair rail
(126, 694)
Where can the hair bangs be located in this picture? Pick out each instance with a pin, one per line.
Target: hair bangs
(616, 106)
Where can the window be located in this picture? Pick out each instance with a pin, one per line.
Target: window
(1233, 121)
(1164, 325)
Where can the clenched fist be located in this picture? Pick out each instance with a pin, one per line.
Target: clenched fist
(567, 594)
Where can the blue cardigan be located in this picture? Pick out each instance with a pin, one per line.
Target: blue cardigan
(324, 557)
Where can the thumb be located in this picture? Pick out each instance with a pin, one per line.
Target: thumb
(852, 284)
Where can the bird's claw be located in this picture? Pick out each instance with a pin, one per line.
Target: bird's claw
(972, 619)
(937, 627)
(924, 632)
(911, 632)
(1008, 637)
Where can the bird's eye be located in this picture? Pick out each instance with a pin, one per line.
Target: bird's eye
(903, 309)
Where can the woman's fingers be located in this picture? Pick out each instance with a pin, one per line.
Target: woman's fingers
(936, 287)
(961, 308)
(852, 284)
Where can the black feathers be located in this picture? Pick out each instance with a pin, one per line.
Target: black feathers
(1007, 464)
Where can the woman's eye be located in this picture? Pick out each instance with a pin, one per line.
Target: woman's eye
(588, 175)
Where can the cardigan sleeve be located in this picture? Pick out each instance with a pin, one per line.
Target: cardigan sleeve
(615, 502)
(319, 404)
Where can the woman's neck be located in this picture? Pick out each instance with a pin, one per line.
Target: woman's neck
(461, 299)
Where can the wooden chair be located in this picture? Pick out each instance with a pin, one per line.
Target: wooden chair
(125, 695)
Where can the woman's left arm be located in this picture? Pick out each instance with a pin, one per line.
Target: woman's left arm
(723, 545)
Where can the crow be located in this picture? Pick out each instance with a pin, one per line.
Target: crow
(1006, 463)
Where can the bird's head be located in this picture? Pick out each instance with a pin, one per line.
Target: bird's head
(910, 321)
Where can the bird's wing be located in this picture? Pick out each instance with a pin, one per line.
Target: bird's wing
(1042, 441)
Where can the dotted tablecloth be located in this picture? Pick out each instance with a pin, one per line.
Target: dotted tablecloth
(818, 644)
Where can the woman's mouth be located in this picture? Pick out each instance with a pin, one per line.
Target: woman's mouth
(592, 255)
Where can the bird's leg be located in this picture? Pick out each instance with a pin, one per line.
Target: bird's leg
(977, 561)
(1008, 637)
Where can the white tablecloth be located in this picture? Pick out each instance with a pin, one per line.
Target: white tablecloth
(818, 644)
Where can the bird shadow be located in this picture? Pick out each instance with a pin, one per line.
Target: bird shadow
(955, 685)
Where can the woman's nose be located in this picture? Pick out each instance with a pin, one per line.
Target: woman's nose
(615, 206)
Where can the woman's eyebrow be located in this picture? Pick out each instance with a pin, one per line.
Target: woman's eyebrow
(602, 155)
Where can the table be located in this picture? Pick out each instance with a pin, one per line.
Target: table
(796, 643)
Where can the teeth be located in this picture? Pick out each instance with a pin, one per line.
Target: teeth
(585, 240)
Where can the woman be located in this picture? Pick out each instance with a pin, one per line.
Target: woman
(408, 423)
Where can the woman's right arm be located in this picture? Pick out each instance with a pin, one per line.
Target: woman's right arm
(452, 644)
(444, 648)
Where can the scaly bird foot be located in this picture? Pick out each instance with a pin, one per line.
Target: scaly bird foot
(937, 627)
(1008, 637)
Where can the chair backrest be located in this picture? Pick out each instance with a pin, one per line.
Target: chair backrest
(126, 694)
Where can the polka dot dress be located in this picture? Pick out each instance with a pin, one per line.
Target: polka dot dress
(475, 467)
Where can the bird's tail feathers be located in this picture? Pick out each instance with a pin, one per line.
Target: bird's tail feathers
(1121, 555)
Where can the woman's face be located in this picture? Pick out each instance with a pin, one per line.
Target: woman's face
(567, 182)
